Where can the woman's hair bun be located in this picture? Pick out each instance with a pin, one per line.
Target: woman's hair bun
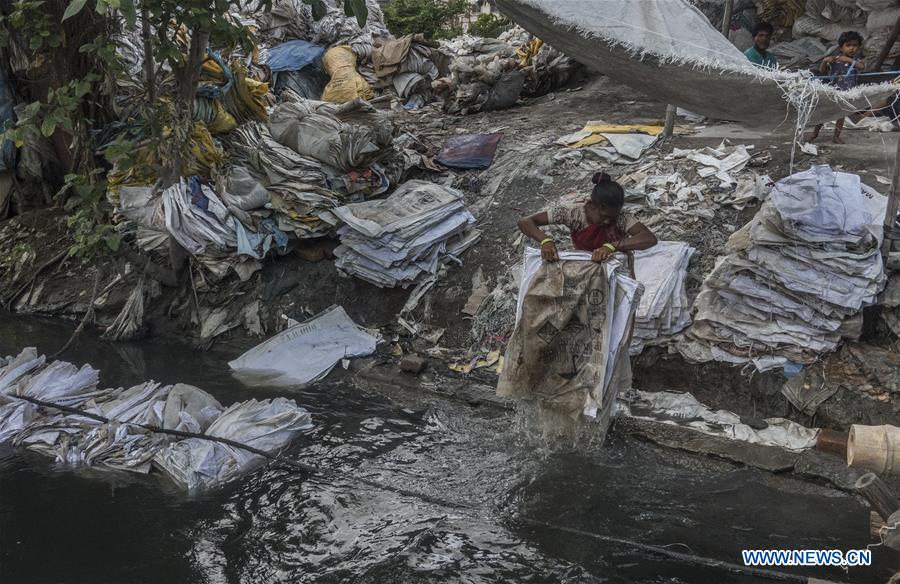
(600, 178)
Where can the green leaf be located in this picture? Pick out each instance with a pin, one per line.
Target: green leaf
(359, 8)
(129, 12)
(48, 126)
(101, 7)
(318, 9)
(73, 8)
(113, 241)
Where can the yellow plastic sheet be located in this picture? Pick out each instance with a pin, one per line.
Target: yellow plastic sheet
(596, 132)
(493, 361)
(346, 83)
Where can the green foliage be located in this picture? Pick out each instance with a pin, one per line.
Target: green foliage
(436, 19)
(92, 235)
(30, 19)
(489, 25)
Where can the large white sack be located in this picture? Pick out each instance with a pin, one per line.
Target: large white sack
(306, 352)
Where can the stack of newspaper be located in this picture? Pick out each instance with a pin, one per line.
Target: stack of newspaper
(399, 240)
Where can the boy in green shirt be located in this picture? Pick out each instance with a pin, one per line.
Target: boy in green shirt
(758, 53)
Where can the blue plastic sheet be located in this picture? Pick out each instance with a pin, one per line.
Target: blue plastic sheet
(293, 56)
(257, 245)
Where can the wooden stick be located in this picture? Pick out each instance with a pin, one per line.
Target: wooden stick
(55, 259)
(888, 45)
(890, 214)
(726, 18)
(878, 494)
(669, 128)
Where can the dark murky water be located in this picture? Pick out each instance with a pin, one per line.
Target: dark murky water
(80, 526)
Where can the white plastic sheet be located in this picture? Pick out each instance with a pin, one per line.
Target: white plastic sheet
(669, 49)
(807, 263)
(73, 439)
(664, 309)
(306, 352)
(267, 425)
(683, 409)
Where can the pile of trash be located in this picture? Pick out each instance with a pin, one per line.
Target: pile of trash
(488, 74)
(399, 240)
(796, 277)
(127, 441)
(664, 310)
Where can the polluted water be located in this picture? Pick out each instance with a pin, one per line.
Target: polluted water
(451, 493)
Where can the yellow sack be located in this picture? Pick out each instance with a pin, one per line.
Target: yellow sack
(529, 51)
(204, 153)
(346, 83)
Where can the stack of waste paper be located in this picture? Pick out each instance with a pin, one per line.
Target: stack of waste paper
(569, 349)
(123, 432)
(411, 234)
(797, 276)
(664, 309)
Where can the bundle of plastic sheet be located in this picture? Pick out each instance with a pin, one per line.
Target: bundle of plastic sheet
(798, 274)
(127, 441)
(305, 352)
(568, 351)
(398, 240)
(353, 142)
(254, 145)
(664, 309)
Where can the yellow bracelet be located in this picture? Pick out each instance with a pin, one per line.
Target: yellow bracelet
(546, 241)
(610, 247)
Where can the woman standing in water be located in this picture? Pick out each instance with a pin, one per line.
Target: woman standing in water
(598, 226)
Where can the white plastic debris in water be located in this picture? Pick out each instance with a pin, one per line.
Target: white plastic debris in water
(683, 409)
(267, 425)
(74, 439)
(306, 352)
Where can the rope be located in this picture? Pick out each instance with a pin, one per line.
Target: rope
(679, 556)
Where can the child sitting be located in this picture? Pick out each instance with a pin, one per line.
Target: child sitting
(843, 73)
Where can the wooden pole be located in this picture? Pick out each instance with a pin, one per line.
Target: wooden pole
(669, 128)
(726, 18)
(878, 494)
(890, 214)
(888, 45)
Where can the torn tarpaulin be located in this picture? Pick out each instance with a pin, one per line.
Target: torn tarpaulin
(475, 151)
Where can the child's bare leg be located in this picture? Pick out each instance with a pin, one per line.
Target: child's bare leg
(838, 126)
(815, 133)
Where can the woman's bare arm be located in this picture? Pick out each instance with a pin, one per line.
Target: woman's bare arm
(530, 226)
(639, 237)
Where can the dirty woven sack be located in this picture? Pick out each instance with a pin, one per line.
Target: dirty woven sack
(469, 151)
(569, 348)
(346, 83)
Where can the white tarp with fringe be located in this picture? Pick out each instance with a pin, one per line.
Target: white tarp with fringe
(668, 49)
